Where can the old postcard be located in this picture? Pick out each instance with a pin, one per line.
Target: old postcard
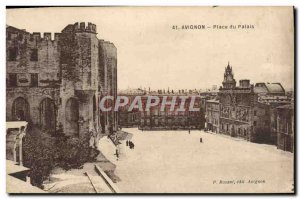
(112, 100)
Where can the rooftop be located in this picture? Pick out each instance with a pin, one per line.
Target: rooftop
(268, 88)
(287, 106)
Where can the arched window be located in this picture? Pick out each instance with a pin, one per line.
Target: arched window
(20, 110)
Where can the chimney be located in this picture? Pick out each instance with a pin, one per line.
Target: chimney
(244, 83)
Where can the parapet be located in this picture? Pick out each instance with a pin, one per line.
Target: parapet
(56, 36)
(47, 36)
(36, 35)
(82, 27)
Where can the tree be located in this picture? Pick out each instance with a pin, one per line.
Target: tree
(42, 153)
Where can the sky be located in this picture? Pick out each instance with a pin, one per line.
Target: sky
(152, 54)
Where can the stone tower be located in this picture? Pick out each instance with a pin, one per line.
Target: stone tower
(79, 70)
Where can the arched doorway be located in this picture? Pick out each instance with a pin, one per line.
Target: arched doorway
(233, 131)
(47, 114)
(72, 117)
(20, 110)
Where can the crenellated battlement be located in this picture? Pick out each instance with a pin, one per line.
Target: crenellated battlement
(83, 27)
(21, 35)
(47, 36)
(30, 37)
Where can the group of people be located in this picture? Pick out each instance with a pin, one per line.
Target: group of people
(130, 144)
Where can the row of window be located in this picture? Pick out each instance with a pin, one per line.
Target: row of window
(13, 53)
(13, 80)
(213, 121)
(213, 106)
(266, 123)
(167, 122)
(238, 130)
(254, 124)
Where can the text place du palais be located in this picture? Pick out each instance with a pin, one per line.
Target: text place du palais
(216, 27)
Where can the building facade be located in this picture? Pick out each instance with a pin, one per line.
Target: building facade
(168, 119)
(212, 115)
(285, 127)
(256, 113)
(130, 118)
(241, 115)
(55, 83)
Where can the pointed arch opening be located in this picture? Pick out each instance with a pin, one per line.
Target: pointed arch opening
(20, 110)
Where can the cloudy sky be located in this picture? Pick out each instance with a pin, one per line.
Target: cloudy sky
(152, 54)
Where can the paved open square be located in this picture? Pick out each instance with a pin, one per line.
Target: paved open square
(176, 161)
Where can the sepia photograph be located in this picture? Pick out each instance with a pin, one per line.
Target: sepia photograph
(150, 100)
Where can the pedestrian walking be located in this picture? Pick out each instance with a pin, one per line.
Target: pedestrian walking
(117, 154)
(201, 140)
(127, 142)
